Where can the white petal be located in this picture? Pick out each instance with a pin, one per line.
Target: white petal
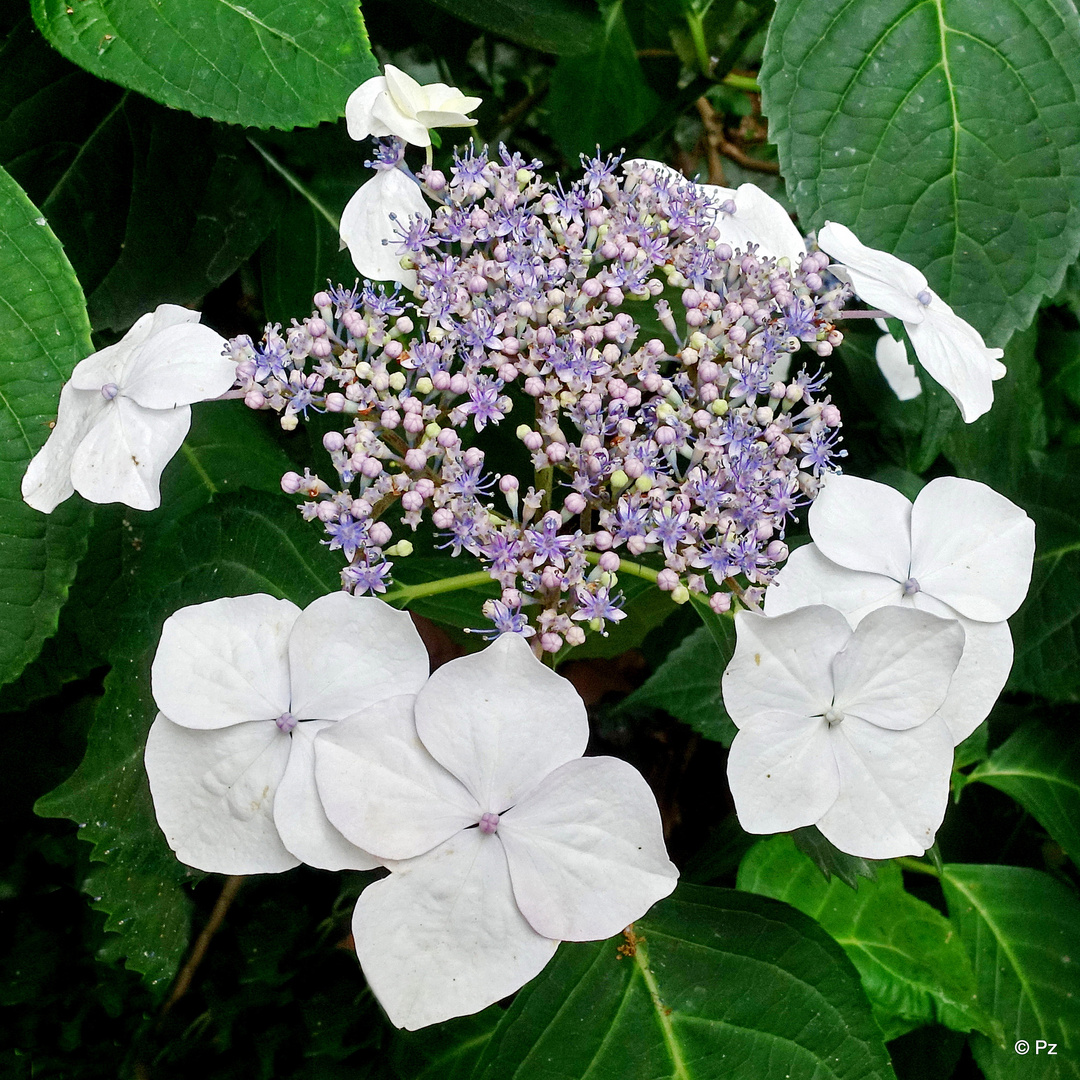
(125, 452)
(347, 652)
(981, 674)
(894, 787)
(382, 789)
(372, 234)
(971, 548)
(955, 355)
(358, 110)
(586, 850)
(783, 664)
(408, 95)
(440, 98)
(213, 795)
(442, 935)
(299, 815)
(899, 371)
(879, 279)
(782, 773)
(225, 662)
(761, 220)
(896, 670)
(500, 721)
(809, 578)
(178, 366)
(386, 111)
(863, 525)
(47, 480)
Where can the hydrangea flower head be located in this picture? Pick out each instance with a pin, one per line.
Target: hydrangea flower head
(126, 410)
(501, 838)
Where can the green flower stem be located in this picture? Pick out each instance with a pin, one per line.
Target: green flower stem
(407, 593)
(633, 569)
(918, 866)
(697, 34)
(741, 82)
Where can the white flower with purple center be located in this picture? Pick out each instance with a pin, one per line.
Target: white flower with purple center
(501, 838)
(962, 551)
(951, 350)
(244, 684)
(126, 411)
(839, 728)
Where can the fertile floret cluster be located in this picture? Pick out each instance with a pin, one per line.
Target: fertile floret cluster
(648, 364)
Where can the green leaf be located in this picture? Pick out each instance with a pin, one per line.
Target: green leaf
(447, 1051)
(1039, 766)
(1021, 929)
(830, 860)
(565, 27)
(584, 87)
(944, 131)
(719, 985)
(687, 686)
(260, 64)
(43, 333)
(912, 963)
(234, 547)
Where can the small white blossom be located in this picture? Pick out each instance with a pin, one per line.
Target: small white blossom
(839, 728)
(373, 220)
(244, 684)
(962, 551)
(396, 104)
(126, 410)
(893, 363)
(952, 350)
(502, 840)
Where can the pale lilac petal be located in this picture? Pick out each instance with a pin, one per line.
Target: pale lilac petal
(299, 815)
(586, 850)
(372, 234)
(782, 773)
(783, 664)
(809, 578)
(899, 371)
(347, 652)
(895, 671)
(123, 455)
(971, 548)
(383, 790)
(500, 721)
(863, 525)
(981, 674)
(47, 480)
(879, 279)
(213, 794)
(442, 936)
(358, 110)
(180, 365)
(225, 662)
(894, 787)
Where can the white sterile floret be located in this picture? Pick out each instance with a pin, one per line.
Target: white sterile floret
(839, 728)
(744, 215)
(502, 840)
(952, 350)
(373, 221)
(126, 410)
(396, 104)
(893, 363)
(244, 684)
(962, 551)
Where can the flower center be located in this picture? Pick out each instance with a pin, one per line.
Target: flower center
(833, 715)
(924, 297)
(489, 823)
(109, 391)
(286, 722)
(911, 587)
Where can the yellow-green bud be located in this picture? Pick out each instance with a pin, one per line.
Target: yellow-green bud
(402, 549)
(397, 381)
(643, 484)
(424, 385)
(680, 594)
(719, 407)
(432, 431)
(619, 480)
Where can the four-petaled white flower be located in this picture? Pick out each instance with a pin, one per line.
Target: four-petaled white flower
(839, 728)
(962, 551)
(502, 840)
(396, 104)
(952, 350)
(244, 684)
(374, 220)
(126, 410)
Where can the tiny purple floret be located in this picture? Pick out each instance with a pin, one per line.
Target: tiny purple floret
(489, 823)
(286, 722)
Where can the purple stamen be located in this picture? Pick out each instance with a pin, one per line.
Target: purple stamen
(109, 391)
(286, 722)
(911, 587)
(489, 823)
(924, 297)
